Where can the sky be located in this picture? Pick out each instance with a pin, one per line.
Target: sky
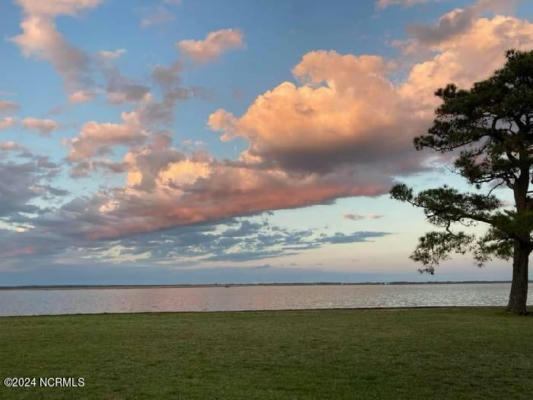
(200, 141)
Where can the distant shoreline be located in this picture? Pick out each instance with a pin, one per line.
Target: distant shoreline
(228, 285)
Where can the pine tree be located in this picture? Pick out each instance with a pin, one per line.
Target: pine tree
(489, 130)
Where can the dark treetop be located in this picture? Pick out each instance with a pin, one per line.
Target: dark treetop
(489, 129)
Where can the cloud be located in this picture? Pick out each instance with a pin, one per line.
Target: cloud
(345, 112)
(198, 190)
(6, 122)
(230, 240)
(348, 112)
(119, 88)
(81, 96)
(347, 116)
(123, 90)
(19, 184)
(158, 16)
(8, 106)
(97, 138)
(340, 237)
(456, 22)
(166, 188)
(358, 217)
(344, 130)
(212, 47)
(112, 54)
(465, 58)
(54, 8)
(168, 76)
(12, 146)
(144, 164)
(43, 126)
(40, 38)
(83, 168)
(151, 114)
(381, 4)
(24, 178)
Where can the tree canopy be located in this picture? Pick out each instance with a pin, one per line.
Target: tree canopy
(489, 131)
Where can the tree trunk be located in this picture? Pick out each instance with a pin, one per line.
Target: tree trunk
(518, 296)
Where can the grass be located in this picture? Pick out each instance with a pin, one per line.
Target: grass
(473, 353)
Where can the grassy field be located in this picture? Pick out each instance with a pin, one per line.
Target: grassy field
(333, 354)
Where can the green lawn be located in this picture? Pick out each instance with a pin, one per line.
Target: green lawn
(332, 354)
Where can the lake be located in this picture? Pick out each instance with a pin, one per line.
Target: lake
(236, 298)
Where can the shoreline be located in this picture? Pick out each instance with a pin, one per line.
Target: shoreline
(230, 285)
(280, 310)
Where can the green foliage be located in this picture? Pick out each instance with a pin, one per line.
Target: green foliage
(445, 206)
(490, 129)
(493, 243)
(435, 247)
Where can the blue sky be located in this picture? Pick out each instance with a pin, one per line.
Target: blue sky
(203, 141)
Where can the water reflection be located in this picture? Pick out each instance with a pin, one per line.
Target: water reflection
(113, 300)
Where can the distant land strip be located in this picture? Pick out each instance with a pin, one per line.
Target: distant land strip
(228, 285)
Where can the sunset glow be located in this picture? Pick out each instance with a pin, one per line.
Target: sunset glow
(196, 142)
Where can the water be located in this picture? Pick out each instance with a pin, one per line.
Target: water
(150, 299)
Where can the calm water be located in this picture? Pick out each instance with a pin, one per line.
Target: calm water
(73, 301)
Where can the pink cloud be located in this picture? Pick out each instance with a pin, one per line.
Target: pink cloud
(81, 96)
(97, 138)
(342, 128)
(6, 106)
(6, 122)
(12, 146)
(346, 111)
(455, 22)
(386, 3)
(212, 47)
(53, 8)
(193, 191)
(43, 126)
(465, 57)
(40, 38)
